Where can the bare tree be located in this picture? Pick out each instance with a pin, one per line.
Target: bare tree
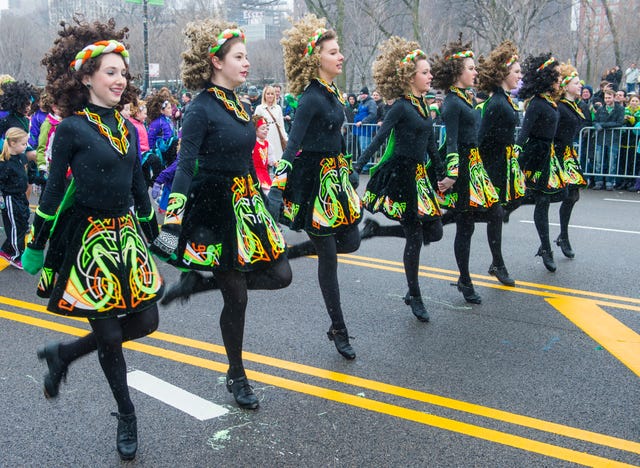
(614, 31)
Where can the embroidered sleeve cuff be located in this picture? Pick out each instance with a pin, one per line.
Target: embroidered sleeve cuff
(453, 160)
(175, 208)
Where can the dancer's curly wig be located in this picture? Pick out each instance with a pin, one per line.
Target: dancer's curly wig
(197, 68)
(566, 70)
(494, 69)
(17, 96)
(390, 73)
(536, 81)
(64, 84)
(155, 102)
(136, 105)
(299, 67)
(446, 70)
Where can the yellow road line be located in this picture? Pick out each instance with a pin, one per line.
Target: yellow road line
(614, 336)
(504, 416)
(420, 417)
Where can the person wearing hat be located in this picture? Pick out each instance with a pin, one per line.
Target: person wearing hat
(364, 119)
(254, 98)
(430, 97)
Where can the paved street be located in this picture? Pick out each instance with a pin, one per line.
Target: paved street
(544, 374)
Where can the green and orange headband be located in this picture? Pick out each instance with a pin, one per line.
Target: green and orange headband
(546, 64)
(98, 48)
(223, 37)
(461, 55)
(567, 79)
(412, 56)
(313, 40)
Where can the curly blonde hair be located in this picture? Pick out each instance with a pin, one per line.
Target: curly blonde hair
(566, 70)
(390, 75)
(446, 70)
(197, 68)
(493, 70)
(299, 67)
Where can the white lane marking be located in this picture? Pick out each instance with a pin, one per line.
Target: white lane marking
(589, 227)
(621, 200)
(174, 396)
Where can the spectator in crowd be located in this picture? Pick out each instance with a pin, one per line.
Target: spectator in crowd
(377, 98)
(272, 113)
(586, 106)
(629, 161)
(608, 117)
(186, 100)
(366, 115)
(289, 111)
(631, 78)
(254, 98)
(621, 97)
(614, 76)
(430, 98)
(598, 98)
(279, 99)
(261, 153)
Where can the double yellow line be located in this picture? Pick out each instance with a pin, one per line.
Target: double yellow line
(369, 404)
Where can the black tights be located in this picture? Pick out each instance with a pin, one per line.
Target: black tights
(573, 195)
(416, 233)
(233, 285)
(541, 219)
(327, 249)
(107, 337)
(465, 226)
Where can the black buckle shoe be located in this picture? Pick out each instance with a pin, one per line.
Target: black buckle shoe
(502, 274)
(242, 392)
(340, 338)
(417, 307)
(189, 283)
(565, 246)
(369, 229)
(127, 435)
(547, 259)
(57, 369)
(469, 293)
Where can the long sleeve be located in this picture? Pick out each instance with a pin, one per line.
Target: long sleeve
(307, 109)
(390, 121)
(451, 119)
(194, 130)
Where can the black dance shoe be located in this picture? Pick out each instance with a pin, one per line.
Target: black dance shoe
(242, 392)
(57, 369)
(565, 246)
(470, 294)
(417, 307)
(127, 435)
(190, 282)
(502, 274)
(370, 229)
(341, 339)
(547, 259)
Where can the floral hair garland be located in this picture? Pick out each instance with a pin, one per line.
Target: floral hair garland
(546, 64)
(511, 61)
(99, 48)
(567, 79)
(223, 37)
(412, 56)
(311, 45)
(460, 55)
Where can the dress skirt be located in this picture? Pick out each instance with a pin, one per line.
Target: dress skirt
(505, 174)
(226, 225)
(98, 266)
(318, 197)
(473, 189)
(401, 190)
(541, 167)
(571, 167)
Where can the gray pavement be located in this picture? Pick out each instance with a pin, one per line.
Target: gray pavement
(544, 374)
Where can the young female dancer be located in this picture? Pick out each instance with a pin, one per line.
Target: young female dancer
(97, 265)
(224, 227)
(543, 172)
(498, 75)
(399, 186)
(473, 197)
(571, 120)
(318, 196)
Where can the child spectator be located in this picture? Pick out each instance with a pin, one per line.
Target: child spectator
(261, 153)
(13, 184)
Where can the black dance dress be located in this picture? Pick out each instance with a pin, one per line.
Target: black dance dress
(216, 194)
(538, 160)
(399, 186)
(318, 196)
(473, 190)
(98, 264)
(497, 137)
(570, 122)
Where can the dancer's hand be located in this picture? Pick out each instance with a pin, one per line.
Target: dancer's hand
(445, 184)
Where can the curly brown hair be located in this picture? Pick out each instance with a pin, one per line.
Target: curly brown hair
(64, 84)
(390, 75)
(156, 101)
(197, 68)
(493, 70)
(299, 67)
(446, 70)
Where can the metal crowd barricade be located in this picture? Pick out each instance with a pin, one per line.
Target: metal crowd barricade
(610, 153)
